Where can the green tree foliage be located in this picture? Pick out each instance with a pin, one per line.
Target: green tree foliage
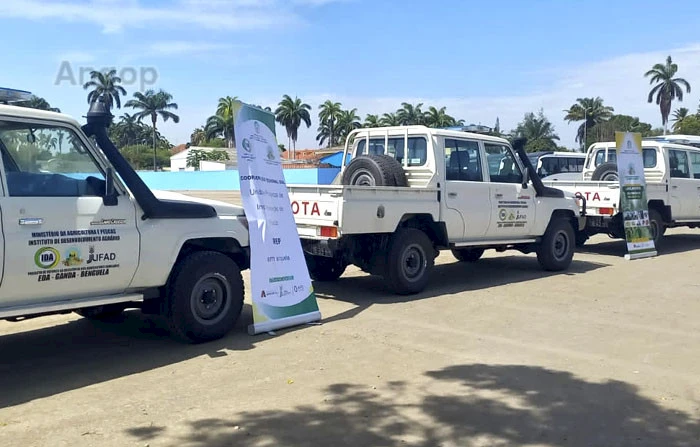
(690, 125)
(678, 116)
(539, 132)
(591, 111)
(37, 102)
(328, 116)
(141, 156)
(195, 156)
(153, 105)
(221, 124)
(605, 131)
(291, 113)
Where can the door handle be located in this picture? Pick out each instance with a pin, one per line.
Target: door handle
(674, 186)
(451, 194)
(31, 221)
(499, 195)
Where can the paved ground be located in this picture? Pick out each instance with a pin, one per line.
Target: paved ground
(492, 354)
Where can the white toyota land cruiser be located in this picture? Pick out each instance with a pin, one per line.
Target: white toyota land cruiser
(80, 231)
(411, 191)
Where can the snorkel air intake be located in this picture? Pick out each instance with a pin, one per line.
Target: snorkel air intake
(99, 119)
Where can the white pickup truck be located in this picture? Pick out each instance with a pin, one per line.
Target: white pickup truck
(672, 173)
(80, 231)
(410, 191)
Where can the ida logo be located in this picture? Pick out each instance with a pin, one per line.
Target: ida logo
(47, 258)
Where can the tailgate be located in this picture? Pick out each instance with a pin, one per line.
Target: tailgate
(602, 198)
(315, 207)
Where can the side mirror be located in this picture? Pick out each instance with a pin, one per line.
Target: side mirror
(526, 178)
(111, 197)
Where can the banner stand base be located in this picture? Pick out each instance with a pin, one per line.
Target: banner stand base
(646, 254)
(296, 320)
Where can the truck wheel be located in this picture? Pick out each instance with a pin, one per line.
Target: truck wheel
(374, 170)
(204, 296)
(467, 254)
(656, 222)
(108, 312)
(607, 172)
(322, 268)
(409, 261)
(556, 250)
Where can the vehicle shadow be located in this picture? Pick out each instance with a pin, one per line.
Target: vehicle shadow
(447, 279)
(495, 405)
(670, 244)
(64, 357)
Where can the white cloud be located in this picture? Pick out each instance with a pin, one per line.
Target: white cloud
(76, 57)
(179, 47)
(116, 15)
(619, 81)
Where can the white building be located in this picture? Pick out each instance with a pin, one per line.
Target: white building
(178, 162)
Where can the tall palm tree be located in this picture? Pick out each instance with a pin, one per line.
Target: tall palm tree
(371, 121)
(409, 114)
(667, 87)
(589, 110)
(539, 132)
(390, 119)
(328, 114)
(678, 116)
(438, 117)
(222, 123)
(291, 113)
(198, 136)
(105, 85)
(152, 104)
(347, 122)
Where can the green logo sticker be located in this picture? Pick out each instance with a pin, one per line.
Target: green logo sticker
(47, 258)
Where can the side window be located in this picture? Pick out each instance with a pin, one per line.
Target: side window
(649, 155)
(47, 161)
(417, 149)
(462, 160)
(678, 164)
(502, 165)
(599, 157)
(550, 166)
(695, 163)
(612, 155)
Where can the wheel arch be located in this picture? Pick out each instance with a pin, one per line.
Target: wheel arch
(436, 231)
(662, 208)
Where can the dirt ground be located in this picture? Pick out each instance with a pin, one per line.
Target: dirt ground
(497, 353)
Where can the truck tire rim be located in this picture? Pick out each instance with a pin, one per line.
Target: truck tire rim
(362, 177)
(210, 298)
(413, 262)
(610, 177)
(561, 245)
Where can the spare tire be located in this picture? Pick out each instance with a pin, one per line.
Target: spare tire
(374, 170)
(607, 172)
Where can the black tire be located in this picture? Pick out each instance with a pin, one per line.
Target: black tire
(374, 170)
(656, 222)
(556, 250)
(607, 172)
(200, 276)
(409, 261)
(468, 254)
(107, 312)
(322, 268)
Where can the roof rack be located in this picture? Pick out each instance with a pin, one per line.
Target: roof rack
(473, 128)
(10, 95)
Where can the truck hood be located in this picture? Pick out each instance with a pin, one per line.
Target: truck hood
(222, 208)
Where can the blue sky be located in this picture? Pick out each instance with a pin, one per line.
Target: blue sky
(481, 60)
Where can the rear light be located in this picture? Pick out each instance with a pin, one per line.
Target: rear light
(328, 231)
(606, 211)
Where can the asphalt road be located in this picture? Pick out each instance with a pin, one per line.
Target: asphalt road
(491, 354)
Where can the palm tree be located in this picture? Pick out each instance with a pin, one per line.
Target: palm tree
(106, 86)
(347, 122)
(390, 119)
(371, 121)
(409, 114)
(328, 114)
(152, 104)
(198, 136)
(589, 110)
(538, 131)
(438, 118)
(37, 102)
(667, 87)
(678, 116)
(291, 113)
(222, 123)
